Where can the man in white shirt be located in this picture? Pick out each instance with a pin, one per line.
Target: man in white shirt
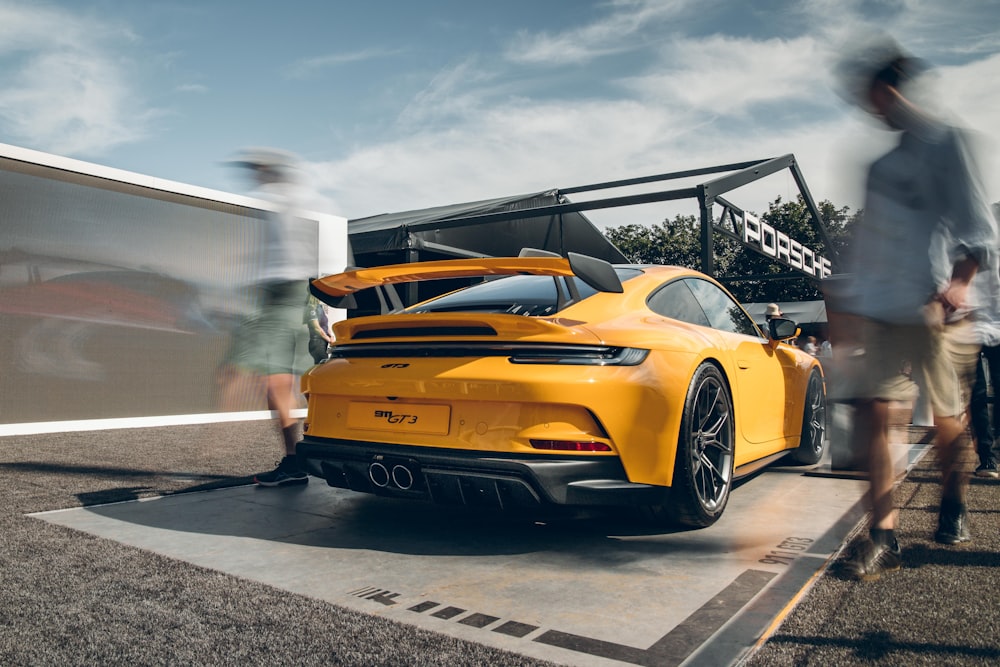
(907, 297)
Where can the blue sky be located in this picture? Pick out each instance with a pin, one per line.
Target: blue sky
(408, 104)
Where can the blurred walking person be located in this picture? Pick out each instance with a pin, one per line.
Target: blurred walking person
(913, 302)
(273, 343)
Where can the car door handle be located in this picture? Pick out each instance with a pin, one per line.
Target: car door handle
(743, 363)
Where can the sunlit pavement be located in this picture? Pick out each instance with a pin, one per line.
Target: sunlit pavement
(600, 590)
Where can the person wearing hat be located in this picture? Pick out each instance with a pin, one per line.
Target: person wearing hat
(770, 312)
(926, 231)
(273, 342)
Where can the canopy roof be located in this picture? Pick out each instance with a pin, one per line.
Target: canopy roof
(488, 228)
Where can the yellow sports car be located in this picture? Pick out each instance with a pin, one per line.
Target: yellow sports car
(558, 381)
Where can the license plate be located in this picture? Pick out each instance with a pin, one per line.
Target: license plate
(398, 417)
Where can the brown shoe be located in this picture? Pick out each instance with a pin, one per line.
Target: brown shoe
(871, 560)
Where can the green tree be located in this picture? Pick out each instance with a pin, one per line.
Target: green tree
(670, 242)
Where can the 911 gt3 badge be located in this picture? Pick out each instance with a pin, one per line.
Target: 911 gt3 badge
(394, 418)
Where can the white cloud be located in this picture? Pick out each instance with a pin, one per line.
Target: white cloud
(931, 28)
(612, 34)
(197, 88)
(460, 91)
(23, 25)
(727, 75)
(470, 138)
(308, 67)
(520, 149)
(66, 89)
(473, 134)
(507, 150)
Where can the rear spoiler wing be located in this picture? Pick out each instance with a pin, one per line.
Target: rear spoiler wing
(337, 290)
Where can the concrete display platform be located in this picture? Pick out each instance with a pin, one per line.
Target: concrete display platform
(601, 590)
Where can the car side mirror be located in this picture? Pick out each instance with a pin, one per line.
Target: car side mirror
(782, 329)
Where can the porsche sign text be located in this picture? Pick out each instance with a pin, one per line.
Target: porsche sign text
(778, 245)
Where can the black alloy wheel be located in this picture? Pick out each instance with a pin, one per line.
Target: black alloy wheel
(703, 471)
(812, 444)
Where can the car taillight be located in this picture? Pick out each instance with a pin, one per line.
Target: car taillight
(581, 356)
(570, 445)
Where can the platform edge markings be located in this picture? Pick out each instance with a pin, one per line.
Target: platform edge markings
(742, 637)
(671, 649)
(674, 647)
(750, 627)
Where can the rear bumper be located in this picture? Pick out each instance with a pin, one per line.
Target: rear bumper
(473, 478)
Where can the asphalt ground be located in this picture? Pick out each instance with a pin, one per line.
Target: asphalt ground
(67, 598)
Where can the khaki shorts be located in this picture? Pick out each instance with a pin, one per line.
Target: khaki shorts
(944, 367)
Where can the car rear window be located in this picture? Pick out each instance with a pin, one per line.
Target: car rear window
(518, 295)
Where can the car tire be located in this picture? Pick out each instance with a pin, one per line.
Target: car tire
(813, 443)
(703, 469)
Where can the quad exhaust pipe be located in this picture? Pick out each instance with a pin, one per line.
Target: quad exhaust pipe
(399, 476)
(379, 475)
(402, 477)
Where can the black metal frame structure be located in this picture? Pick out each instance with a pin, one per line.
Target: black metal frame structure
(707, 193)
(410, 236)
